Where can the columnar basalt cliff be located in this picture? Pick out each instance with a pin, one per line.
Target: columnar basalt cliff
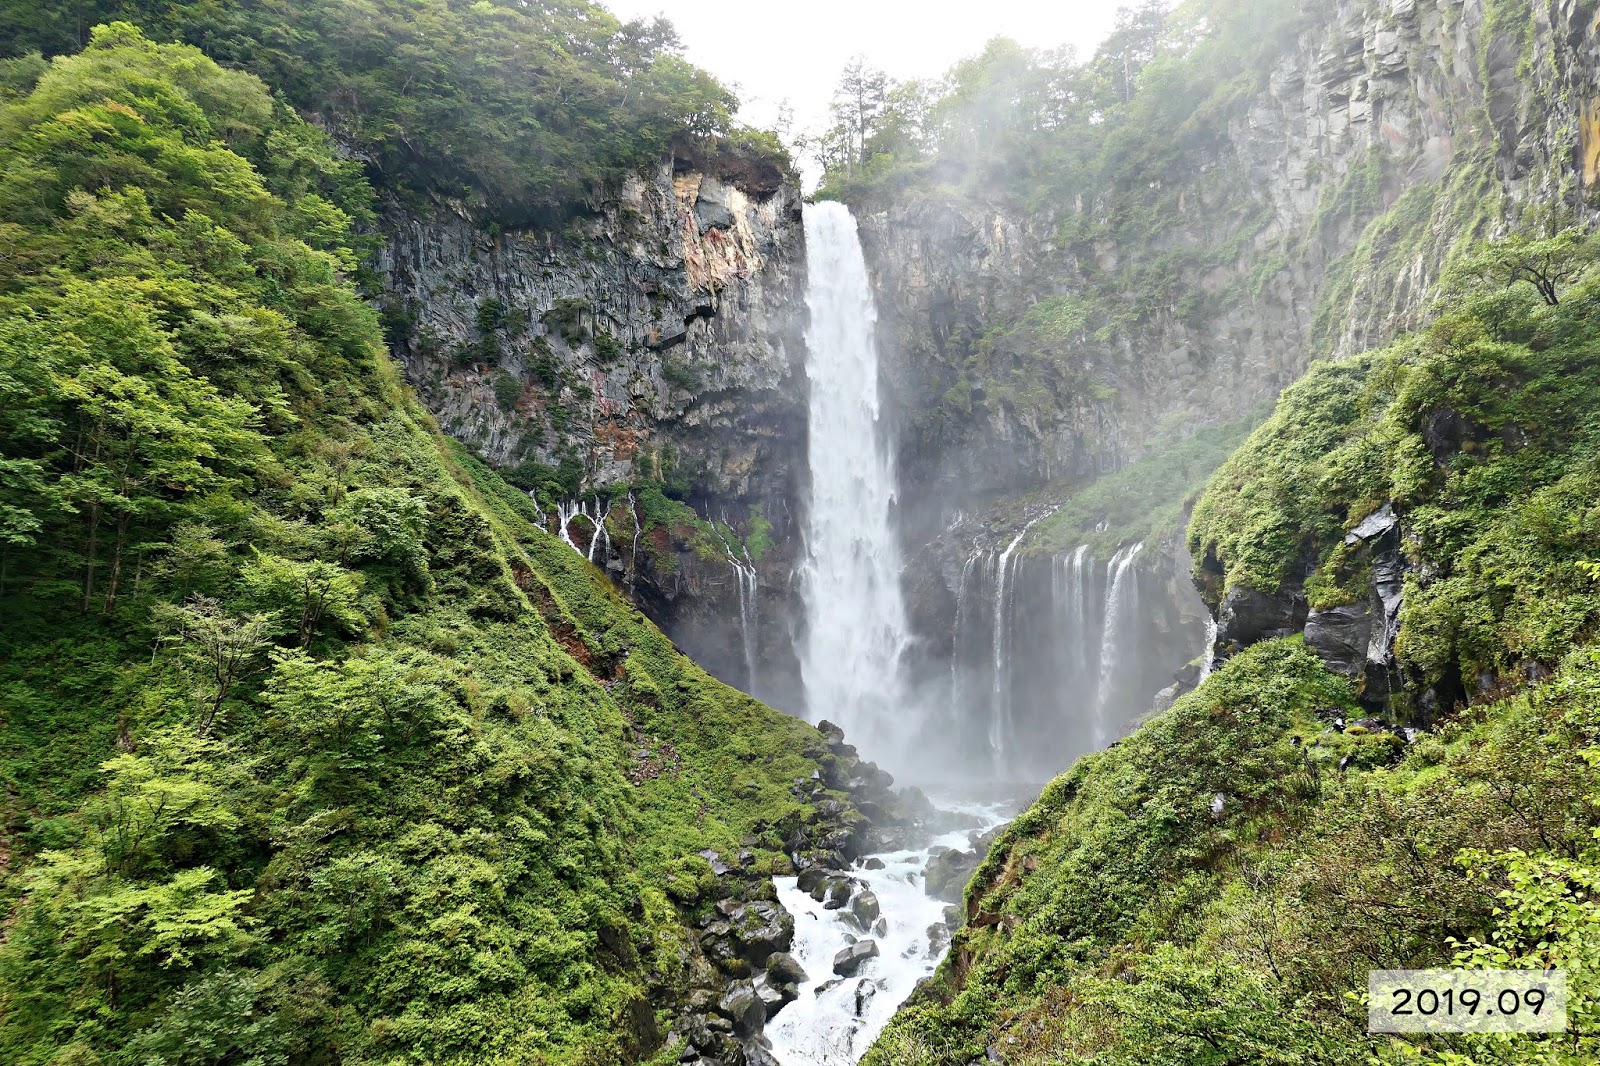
(657, 340)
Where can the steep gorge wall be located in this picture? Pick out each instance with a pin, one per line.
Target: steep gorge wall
(656, 340)
(1315, 224)
(1390, 132)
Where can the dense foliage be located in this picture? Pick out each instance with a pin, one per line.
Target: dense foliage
(315, 748)
(530, 107)
(1481, 431)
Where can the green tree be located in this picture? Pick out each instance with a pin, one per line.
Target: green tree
(1549, 264)
(300, 596)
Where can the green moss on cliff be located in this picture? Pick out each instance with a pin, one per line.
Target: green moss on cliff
(1126, 919)
(1480, 431)
(1147, 500)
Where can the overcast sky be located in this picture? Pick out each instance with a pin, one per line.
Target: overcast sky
(774, 52)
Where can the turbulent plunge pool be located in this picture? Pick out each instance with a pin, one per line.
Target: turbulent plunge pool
(837, 1018)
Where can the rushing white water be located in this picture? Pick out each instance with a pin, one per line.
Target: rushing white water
(1072, 592)
(1122, 603)
(836, 1027)
(855, 616)
(1209, 655)
(1002, 727)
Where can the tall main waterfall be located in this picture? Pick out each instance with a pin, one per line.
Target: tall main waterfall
(855, 616)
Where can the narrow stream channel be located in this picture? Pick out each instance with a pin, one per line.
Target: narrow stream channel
(837, 1018)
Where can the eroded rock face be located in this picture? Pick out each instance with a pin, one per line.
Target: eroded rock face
(1386, 96)
(1250, 615)
(1357, 639)
(1340, 637)
(658, 337)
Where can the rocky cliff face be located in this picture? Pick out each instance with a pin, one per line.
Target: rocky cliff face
(655, 340)
(1315, 224)
(1389, 131)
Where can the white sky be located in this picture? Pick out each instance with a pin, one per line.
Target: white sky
(772, 52)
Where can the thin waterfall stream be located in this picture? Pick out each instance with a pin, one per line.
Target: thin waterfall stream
(1122, 602)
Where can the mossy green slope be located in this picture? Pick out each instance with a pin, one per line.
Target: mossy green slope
(1214, 888)
(315, 747)
(1482, 431)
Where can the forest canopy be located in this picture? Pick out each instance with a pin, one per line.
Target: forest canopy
(526, 109)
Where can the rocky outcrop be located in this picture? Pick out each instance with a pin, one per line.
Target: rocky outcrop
(658, 338)
(1249, 615)
(741, 973)
(1357, 639)
(849, 960)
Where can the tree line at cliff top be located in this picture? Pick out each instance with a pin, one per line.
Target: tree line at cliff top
(522, 109)
(1043, 123)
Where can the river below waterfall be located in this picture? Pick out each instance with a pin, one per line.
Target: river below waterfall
(836, 1019)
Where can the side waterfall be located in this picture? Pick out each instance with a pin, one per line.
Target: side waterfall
(1072, 592)
(1209, 654)
(856, 625)
(1122, 605)
(1002, 727)
(744, 575)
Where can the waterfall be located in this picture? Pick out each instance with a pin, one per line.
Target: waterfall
(961, 623)
(1072, 592)
(566, 513)
(1002, 727)
(1122, 604)
(1210, 653)
(633, 554)
(856, 620)
(600, 533)
(744, 575)
(748, 631)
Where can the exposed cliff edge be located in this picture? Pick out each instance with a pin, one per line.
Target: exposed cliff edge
(655, 340)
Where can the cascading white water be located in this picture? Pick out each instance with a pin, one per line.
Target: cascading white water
(601, 535)
(1002, 729)
(567, 513)
(956, 672)
(855, 616)
(1072, 591)
(633, 554)
(1121, 605)
(835, 1020)
(1209, 655)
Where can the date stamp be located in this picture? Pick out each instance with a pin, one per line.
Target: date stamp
(1466, 1001)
